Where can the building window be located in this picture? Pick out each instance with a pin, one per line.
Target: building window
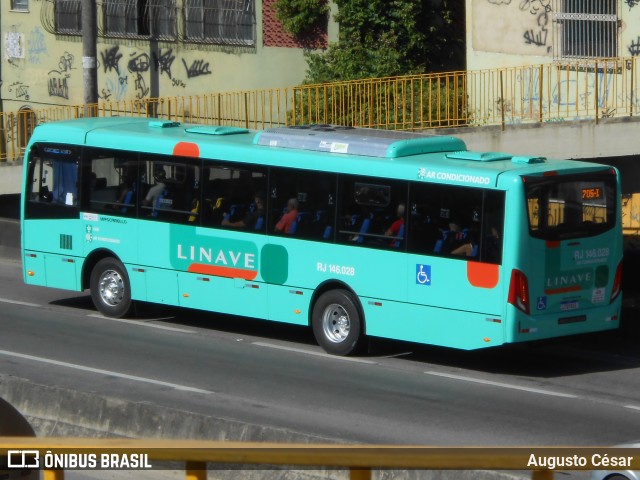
(67, 16)
(225, 22)
(586, 29)
(22, 5)
(139, 18)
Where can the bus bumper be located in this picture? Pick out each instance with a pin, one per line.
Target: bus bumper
(529, 328)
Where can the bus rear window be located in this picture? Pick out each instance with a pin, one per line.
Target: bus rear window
(571, 206)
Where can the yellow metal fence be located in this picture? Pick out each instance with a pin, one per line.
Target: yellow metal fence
(507, 96)
(55, 454)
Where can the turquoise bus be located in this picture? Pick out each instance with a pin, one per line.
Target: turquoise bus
(354, 232)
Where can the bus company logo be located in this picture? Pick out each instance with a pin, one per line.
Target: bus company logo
(23, 458)
(423, 274)
(572, 281)
(218, 261)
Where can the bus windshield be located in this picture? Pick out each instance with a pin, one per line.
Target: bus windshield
(571, 206)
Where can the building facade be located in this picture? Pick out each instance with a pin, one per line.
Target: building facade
(148, 49)
(505, 33)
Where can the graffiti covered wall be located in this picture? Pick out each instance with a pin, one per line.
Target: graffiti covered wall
(42, 69)
(506, 33)
(518, 30)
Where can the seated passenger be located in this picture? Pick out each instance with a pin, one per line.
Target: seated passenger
(287, 219)
(453, 238)
(396, 226)
(155, 192)
(468, 246)
(125, 192)
(250, 220)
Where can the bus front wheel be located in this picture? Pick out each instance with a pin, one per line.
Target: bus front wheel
(110, 288)
(337, 323)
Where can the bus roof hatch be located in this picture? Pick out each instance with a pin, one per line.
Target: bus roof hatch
(216, 130)
(357, 141)
(479, 156)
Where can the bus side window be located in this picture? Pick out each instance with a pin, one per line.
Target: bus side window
(456, 221)
(373, 212)
(53, 181)
(110, 182)
(314, 194)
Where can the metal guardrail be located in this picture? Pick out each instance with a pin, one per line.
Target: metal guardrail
(358, 460)
(593, 90)
(254, 109)
(581, 90)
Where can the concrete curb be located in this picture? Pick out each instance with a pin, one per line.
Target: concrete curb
(58, 412)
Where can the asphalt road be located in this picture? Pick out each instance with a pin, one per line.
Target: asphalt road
(578, 391)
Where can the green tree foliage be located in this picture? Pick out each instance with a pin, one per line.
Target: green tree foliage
(299, 17)
(380, 38)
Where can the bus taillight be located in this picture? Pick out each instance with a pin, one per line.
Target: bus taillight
(519, 291)
(617, 283)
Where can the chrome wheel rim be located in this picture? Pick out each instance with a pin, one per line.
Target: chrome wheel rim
(335, 323)
(111, 288)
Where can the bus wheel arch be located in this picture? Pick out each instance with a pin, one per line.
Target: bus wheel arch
(337, 319)
(90, 262)
(109, 285)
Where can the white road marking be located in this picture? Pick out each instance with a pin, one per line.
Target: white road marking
(17, 302)
(140, 324)
(316, 354)
(632, 407)
(104, 372)
(502, 385)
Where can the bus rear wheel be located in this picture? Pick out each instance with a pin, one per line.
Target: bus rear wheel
(337, 323)
(110, 288)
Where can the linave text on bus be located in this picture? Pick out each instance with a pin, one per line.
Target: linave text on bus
(222, 257)
(569, 279)
(425, 174)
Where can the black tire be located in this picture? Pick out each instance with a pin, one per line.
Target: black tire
(337, 323)
(110, 288)
(617, 476)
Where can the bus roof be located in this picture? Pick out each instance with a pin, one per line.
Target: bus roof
(370, 151)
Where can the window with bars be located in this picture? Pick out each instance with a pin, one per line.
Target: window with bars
(586, 29)
(21, 5)
(67, 15)
(225, 22)
(139, 18)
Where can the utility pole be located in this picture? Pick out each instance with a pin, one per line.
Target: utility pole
(89, 57)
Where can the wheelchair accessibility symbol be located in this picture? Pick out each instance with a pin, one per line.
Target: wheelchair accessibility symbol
(423, 274)
(541, 303)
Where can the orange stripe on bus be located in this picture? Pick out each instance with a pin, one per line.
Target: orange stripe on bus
(186, 149)
(218, 271)
(483, 275)
(552, 244)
